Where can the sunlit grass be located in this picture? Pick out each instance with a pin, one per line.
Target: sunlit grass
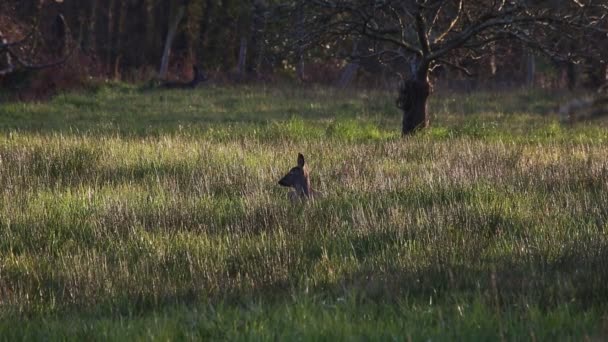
(149, 214)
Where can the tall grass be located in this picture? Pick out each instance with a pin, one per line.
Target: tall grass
(157, 215)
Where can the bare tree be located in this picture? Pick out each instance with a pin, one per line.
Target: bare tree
(176, 18)
(424, 34)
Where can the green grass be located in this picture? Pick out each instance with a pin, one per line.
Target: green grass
(129, 214)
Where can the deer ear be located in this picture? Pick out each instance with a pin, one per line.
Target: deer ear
(300, 160)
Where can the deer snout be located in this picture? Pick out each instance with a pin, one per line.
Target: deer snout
(283, 182)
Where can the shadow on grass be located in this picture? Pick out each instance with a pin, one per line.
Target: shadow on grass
(576, 276)
(127, 112)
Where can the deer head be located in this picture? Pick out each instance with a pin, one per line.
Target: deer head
(298, 179)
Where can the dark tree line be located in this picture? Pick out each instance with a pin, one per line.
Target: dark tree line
(126, 35)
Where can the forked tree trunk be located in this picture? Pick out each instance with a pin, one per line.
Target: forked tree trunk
(412, 100)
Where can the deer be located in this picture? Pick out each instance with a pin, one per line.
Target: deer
(298, 178)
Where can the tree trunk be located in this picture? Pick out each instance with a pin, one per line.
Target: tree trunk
(151, 29)
(597, 73)
(110, 37)
(530, 68)
(258, 31)
(350, 70)
(493, 66)
(204, 31)
(571, 75)
(242, 62)
(120, 39)
(300, 73)
(6, 62)
(164, 64)
(412, 100)
(91, 32)
(348, 74)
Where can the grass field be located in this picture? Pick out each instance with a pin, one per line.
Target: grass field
(128, 214)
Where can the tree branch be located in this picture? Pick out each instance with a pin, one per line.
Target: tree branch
(451, 25)
(456, 66)
(460, 39)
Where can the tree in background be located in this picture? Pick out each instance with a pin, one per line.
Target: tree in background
(332, 41)
(35, 52)
(178, 9)
(425, 34)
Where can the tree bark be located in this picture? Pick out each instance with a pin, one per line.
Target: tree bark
(412, 100)
(164, 64)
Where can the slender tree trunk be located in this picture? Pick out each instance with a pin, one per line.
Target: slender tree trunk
(350, 70)
(92, 33)
(258, 30)
(6, 62)
(348, 74)
(530, 68)
(110, 46)
(300, 67)
(412, 100)
(119, 39)
(194, 9)
(242, 62)
(300, 48)
(81, 27)
(571, 75)
(204, 30)
(164, 64)
(151, 29)
(597, 73)
(493, 67)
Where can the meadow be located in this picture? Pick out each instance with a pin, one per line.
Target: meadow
(156, 215)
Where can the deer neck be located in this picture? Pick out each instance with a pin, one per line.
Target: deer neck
(303, 188)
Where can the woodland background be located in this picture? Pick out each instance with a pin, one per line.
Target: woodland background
(247, 41)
